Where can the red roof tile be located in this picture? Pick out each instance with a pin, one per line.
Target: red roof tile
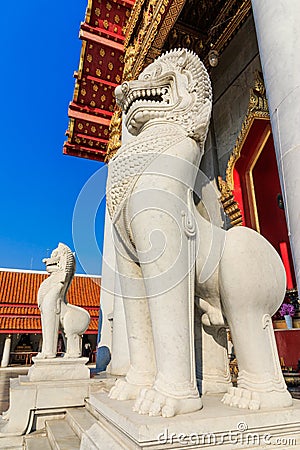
(18, 300)
(33, 324)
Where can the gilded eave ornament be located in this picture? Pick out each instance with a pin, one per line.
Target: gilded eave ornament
(115, 130)
(233, 21)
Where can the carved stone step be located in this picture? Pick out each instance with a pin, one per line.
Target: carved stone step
(104, 433)
(36, 442)
(80, 420)
(61, 436)
(12, 443)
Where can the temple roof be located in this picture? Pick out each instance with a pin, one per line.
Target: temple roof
(120, 38)
(19, 312)
(100, 71)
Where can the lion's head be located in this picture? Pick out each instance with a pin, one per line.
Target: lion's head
(175, 87)
(61, 260)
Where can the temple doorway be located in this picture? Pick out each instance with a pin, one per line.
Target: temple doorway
(258, 193)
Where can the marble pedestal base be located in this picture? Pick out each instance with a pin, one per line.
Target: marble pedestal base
(51, 386)
(215, 426)
(59, 369)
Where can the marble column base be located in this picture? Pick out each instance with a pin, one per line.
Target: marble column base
(216, 425)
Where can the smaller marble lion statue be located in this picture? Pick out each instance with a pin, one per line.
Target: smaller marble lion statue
(56, 313)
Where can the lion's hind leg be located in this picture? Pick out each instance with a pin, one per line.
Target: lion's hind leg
(74, 322)
(252, 285)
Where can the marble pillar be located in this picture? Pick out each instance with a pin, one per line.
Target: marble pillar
(112, 306)
(6, 351)
(119, 364)
(107, 283)
(277, 29)
(111, 295)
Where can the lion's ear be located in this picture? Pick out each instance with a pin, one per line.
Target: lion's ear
(200, 127)
(182, 58)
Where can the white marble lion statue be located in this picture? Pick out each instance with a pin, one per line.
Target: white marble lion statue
(174, 264)
(56, 313)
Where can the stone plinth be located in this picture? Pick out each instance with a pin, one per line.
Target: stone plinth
(59, 369)
(216, 425)
(51, 386)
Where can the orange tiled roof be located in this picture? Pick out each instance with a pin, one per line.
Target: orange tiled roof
(18, 300)
(32, 324)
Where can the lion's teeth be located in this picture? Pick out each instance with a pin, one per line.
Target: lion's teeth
(139, 116)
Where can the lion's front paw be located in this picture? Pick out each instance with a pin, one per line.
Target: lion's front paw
(154, 403)
(242, 398)
(122, 390)
(248, 399)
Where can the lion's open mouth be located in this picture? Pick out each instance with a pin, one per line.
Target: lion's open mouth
(51, 264)
(154, 96)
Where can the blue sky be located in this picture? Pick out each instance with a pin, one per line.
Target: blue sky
(40, 185)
